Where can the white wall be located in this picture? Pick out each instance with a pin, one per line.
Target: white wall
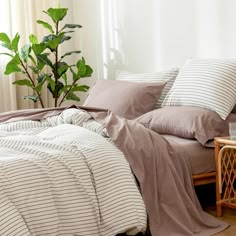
(85, 13)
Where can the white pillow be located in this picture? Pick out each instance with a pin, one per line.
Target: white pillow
(167, 76)
(206, 83)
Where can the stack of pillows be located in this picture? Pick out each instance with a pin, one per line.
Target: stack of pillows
(195, 102)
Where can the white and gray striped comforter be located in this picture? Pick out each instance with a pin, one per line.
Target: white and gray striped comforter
(63, 176)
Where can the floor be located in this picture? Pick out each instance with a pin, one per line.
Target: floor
(206, 195)
(230, 217)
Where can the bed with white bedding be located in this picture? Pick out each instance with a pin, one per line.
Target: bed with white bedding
(57, 177)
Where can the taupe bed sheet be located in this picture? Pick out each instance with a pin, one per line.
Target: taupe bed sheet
(201, 158)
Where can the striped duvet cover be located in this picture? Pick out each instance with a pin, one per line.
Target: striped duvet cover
(63, 176)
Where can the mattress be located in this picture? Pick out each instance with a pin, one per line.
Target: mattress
(202, 158)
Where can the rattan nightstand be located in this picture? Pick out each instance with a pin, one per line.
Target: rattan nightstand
(225, 157)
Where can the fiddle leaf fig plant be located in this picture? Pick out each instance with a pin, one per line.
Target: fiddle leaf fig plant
(42, 65)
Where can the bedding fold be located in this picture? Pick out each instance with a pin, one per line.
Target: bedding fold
(165, 179)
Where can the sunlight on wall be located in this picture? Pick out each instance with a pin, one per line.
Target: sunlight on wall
(5, 5)
(103, 36)
(109, 37)
(129, 34)
(209, 27)
(147, 36)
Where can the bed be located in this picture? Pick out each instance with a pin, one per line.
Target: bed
(204, 178)
(128, 152)
(38, 167)
(202, 159)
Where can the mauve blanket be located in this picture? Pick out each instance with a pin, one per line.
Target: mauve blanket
(164, 176)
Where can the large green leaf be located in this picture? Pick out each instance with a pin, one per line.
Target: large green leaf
(81, 67)
(61, 88)
(15, 60)
(7, 54)
(71, 26)
(65, 38)
(11, 68)
(15, 42)
(72, 96)
(34, 98)
(57, 14)
(40, 65)
(70, 53)
(52, 41)
(38, 48)
(24, 82)
(34, 69)
(52, 88)
(47, 38)
(45, 25)
(24, 52)
(6, 45)
(88, 72)
(6, 42)
(68, 32)
(64, 77)
(83, 60)
(41, 81)
(12, 65)
(4, 38)
(82, 88)
(44, 59)
(41, 77)
(62, 68)
(33, 39)
(32, 59)
(75, 77)
(51, 84)
(53, 44)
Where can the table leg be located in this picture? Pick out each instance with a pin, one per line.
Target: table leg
(218, 195)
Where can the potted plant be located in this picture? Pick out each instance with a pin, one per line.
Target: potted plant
(32, 59)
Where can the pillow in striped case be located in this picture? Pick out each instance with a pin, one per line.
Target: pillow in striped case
(206, 83)
(167, 76)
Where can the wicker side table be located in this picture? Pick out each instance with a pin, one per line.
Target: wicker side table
(225, 158)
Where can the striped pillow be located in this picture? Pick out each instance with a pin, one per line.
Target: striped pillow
(206, 83)
(167, 76)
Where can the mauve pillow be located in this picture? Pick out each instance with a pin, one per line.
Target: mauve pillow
(126, 99)
(187, 122)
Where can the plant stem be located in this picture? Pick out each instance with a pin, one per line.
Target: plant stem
(32, 81)
(63, 98)
(56, 70)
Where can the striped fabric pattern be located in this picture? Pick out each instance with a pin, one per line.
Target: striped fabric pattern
(167, 76)
(206, 83)
(58, 178)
